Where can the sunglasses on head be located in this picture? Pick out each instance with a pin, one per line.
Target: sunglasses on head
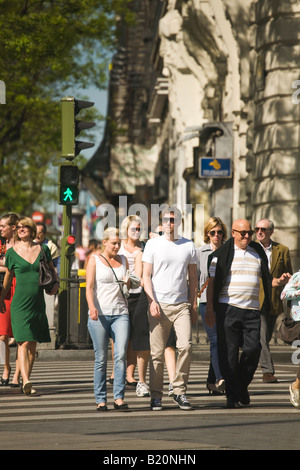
(243, 233)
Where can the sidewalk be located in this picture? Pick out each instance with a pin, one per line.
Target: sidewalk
(280, 354)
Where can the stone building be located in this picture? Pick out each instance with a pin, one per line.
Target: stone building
(206, 78)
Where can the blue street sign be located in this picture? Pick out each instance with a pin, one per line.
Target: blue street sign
(215, 167)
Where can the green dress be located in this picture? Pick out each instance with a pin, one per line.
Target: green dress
(28, 310)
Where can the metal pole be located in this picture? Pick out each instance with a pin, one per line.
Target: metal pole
(63, 313)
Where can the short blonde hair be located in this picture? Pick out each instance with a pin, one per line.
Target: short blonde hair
(110, 232)
(126, 223)
(210, 224)
(31, 224)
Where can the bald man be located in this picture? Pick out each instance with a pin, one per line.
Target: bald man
(236, 270)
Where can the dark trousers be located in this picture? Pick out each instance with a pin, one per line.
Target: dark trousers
(237, 329)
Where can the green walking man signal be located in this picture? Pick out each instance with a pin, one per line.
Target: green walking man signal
(68, 193)
(68, 185)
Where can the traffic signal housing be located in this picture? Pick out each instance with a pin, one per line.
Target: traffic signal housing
(71, 127)
(70, 245)
(68, 191)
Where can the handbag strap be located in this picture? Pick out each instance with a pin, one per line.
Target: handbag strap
(43, 254)
(203, 288)
(114, 275)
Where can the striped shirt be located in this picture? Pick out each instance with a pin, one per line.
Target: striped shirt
(241, 288)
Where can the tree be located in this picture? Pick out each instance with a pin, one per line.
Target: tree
(47, 46)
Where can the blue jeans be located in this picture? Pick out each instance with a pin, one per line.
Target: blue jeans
(117, 328)
(212, 337)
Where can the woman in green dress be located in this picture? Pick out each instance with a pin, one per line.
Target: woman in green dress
(28, 310)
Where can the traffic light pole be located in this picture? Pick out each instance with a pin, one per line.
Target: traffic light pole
(64, 274)
(68, 196)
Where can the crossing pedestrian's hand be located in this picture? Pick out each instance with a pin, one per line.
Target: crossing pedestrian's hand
(93, 312)
(210, 317)
(155, 309)
(194, 315)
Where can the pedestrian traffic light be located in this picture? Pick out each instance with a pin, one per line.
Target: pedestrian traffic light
(70, 245)
(71, 127)
(68, 191)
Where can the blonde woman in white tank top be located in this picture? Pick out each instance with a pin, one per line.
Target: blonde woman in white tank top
(131, 230)
(108, 317)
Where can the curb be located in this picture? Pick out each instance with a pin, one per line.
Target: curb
(280, 354)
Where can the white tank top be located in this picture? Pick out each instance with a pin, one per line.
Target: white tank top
(108, 298)
(131, 264)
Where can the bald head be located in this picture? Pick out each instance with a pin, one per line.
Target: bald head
(241, 224)
(242, 233)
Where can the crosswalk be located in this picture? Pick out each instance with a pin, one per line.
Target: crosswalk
(65, 391)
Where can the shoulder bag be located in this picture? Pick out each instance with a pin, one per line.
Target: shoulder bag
(289, 330)
(47, 277)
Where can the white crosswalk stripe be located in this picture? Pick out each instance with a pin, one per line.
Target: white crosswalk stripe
(65, 391)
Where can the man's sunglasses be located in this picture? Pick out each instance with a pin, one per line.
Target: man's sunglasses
(263, 229)
(243, 233)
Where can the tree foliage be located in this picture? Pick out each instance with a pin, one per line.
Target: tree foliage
(47, 46)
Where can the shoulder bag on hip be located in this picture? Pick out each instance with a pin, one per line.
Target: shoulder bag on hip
(46, 275)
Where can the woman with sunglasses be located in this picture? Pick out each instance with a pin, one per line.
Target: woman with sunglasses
(108, 316)
(28, 310)
(8, 226)
(215, 233)
(131, 245)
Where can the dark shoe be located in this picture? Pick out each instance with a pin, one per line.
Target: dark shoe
(102, 408)
(122, 407)
(269, 378)
(213, 390)
(131, 384)
(232, 404)
(5, 382)
(155, 404)
(245, 398)
(182, 402)
(12, 385)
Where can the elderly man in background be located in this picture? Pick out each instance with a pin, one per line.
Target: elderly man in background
(279, 262)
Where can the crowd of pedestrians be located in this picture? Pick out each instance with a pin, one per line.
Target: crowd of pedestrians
(239, 283)
(142, 299)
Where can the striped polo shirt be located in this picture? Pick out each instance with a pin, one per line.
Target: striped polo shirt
(241, 288)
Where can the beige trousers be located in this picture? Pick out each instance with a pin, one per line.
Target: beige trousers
(179, 316)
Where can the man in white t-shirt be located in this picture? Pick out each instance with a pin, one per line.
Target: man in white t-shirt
(170, 282)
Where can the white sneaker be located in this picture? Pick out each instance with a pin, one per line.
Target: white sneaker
(142, 390)
(294, 396)
(170, 392)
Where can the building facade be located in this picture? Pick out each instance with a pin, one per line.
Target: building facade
(198, 83)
